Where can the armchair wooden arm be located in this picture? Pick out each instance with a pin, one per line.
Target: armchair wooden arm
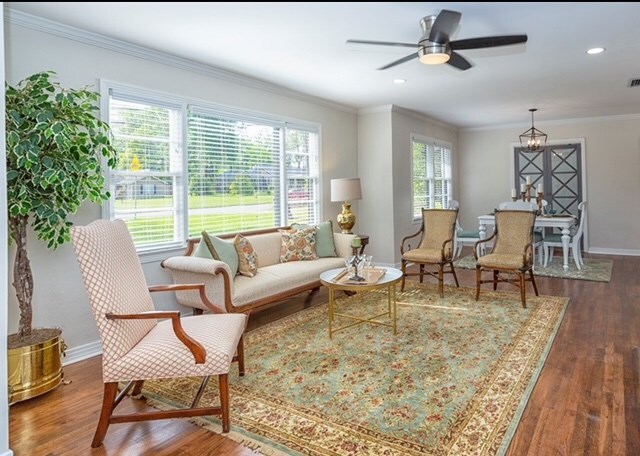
(475, 246)
(196, 349)
(406, 238)
(444, 245)
(193, 286)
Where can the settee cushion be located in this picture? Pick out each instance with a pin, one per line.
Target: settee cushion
(298, 245)
(325, 246)
(220, 250)
(247, 257)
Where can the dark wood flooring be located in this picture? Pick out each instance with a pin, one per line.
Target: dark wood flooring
(586, 401)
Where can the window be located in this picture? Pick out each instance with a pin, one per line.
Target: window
(430, 175)
(187, 168)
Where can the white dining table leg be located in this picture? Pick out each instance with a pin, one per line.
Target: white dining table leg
(565, 248)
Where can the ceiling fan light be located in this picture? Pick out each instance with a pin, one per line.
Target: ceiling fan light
(434, 53)
(435, 58)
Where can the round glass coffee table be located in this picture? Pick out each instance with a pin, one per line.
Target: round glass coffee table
(333, 279)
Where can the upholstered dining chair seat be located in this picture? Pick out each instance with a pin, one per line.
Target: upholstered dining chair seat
(501, 261)
(424, 255)
(162, 355)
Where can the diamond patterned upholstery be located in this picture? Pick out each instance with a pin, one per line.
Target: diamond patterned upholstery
(137, 347)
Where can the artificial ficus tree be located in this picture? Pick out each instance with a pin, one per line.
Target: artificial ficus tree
(56, 147)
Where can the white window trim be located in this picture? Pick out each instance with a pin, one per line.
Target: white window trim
(151, 254)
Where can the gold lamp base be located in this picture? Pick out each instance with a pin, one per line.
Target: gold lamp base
(346, 219)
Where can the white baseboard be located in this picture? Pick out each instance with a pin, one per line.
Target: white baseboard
(606, 251)
(7, 453)
(73, 355)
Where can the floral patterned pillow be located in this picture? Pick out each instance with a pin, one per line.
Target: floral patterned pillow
(247, 257)
(298, 245)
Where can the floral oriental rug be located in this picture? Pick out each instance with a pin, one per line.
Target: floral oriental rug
(453, 381)
(596, 270)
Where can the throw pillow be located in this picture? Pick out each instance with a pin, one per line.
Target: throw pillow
(247, 257)
(221, 250)
(202, 251)
(298, 245)
(325, 247)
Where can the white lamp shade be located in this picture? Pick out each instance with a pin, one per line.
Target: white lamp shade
(347, 189)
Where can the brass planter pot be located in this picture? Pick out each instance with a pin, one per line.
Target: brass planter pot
(35, 369)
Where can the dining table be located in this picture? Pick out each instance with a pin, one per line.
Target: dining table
(564, 222)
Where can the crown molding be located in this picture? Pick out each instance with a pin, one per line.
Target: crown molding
(573, 121)
(22, 19)
(407, 112)
(375, 109)
(422, 117)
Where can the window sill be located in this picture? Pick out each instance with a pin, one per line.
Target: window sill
(157, 255)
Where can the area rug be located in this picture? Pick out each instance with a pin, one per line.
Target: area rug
(594, 269)
(453, 381)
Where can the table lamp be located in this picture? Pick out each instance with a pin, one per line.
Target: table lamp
(346, 190)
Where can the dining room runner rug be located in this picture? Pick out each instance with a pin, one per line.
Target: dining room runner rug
(453, 381)
(596, 270)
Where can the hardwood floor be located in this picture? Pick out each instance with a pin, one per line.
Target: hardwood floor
(586, 401)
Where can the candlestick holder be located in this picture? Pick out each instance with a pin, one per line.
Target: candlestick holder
(354, 266)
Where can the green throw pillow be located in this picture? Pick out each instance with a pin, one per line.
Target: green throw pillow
(221, 250)
(202, 251)
(324, 238)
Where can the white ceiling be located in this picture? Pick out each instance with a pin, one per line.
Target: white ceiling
(302, 46)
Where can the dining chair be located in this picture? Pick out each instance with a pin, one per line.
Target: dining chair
(435, 247)
(538, 234)
(555, 240)
(135, 345)
(463, 237)
(512, 252)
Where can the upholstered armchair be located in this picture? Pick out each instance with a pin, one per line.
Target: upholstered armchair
(135, 345)
(512, 252)
(435, 246)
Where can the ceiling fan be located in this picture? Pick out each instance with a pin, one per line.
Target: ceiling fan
(434, 47)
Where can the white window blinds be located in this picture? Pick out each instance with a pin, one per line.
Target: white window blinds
(145, 186)
(183, 169)
(431, 175)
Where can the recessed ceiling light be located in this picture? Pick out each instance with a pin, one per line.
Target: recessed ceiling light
(597, 50)
(399, 81)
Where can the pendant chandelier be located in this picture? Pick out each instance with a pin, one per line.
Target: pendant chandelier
(533, 139)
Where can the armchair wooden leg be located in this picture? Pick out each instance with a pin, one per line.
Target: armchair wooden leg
(240, 356)
(421, 273)
(224, 401)
(404, 274)
(523, 294)
(455, 276)
(495, 279)
(108, 404)
(441, 281)
(137, 389)
(478, 277)
(533, 281)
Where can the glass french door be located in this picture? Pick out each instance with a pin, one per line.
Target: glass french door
(559, 169)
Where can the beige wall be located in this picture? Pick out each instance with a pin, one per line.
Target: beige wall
(59, 297)
(384, 163)
(612, 161)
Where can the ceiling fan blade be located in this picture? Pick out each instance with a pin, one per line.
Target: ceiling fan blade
(383, 43)
(445, 24)
(398, 62)
(459, 62)
(487, 41)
